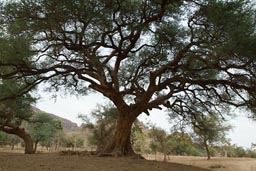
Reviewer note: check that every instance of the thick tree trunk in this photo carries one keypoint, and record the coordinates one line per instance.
(29, 145)
(20, 132)
(121, 141)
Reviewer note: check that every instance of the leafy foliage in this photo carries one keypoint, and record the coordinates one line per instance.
(159, 140)
(139, 139)
(73, 142)
(17, 109)
(14, 111)
(7, 139)
(181, 143)
(103, 121)
(177, 50)
(176, 143)
(43, 128)
(211, 129)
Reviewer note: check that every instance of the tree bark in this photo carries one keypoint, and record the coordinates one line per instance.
(35, 148)
(120, 145)
(20, 132)
(29, 145)
(165, 159)
(207, 150)
(12, 146)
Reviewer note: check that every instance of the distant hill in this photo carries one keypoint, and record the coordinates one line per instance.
(68, 126)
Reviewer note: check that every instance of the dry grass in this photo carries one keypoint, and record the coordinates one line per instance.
(16, 161)
(218, 164)
(57, 162)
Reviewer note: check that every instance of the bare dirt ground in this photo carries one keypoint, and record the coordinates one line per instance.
(217, 164)
(57, 162)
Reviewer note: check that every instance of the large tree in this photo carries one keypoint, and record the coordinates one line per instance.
(141, 54)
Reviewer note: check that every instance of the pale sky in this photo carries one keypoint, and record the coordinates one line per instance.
(242, 134)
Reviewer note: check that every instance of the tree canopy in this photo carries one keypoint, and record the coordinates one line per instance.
(43, 128)
(14, 111)
(140, 54)
(101, 122)
(209, 130)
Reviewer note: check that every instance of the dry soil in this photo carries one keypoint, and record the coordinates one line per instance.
(217, 164)
(57, 162)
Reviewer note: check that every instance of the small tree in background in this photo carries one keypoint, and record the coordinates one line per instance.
(73, 141)
(43, 129)
(13, 140)
(139, 139)
(102, 121)
(3, 138)
(209, 130)
(58, 140)
(181, 144)
(160, 141)
(9, 139)
(207, 120)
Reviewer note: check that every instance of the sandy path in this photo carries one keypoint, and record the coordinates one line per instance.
(240, 165)
(227, 164)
